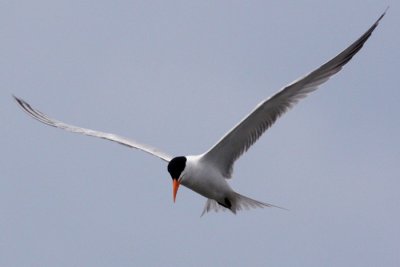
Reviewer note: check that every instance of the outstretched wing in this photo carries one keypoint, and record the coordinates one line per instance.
(246, 133)
(36, 114)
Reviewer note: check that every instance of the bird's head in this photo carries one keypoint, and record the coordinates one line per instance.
(175, 169)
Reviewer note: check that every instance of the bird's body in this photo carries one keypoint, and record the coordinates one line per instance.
(207, 174)
(205, 179)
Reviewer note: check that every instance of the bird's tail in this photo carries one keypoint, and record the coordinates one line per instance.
(238, 202)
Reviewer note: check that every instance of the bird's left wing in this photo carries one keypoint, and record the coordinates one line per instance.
(36, 114)
(223, 154)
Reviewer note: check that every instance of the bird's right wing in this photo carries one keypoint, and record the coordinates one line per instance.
(36, 114)
(237, 141)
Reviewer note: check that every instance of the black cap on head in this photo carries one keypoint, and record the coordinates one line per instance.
(176, 166)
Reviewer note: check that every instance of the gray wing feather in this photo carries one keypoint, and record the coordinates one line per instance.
(237, 141)
(36, 114)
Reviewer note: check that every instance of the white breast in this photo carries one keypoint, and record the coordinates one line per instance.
(205, 179)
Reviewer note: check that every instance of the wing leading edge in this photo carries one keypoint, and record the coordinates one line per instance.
(238, 140)
(43, 118)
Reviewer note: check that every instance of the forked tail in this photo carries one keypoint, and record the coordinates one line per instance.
(238, 202)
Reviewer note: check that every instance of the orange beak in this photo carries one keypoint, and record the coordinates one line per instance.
(175, 186)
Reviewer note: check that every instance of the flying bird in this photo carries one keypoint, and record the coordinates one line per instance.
(207, 173)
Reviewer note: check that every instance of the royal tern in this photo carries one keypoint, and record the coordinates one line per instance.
(207, 173)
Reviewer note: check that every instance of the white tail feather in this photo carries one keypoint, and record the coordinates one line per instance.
(238, 201)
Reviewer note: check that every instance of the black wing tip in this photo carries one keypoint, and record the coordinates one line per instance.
(22, 104)
(353, 49)
(381, 16)
(33, 112)
(18, 100)
(384, 12)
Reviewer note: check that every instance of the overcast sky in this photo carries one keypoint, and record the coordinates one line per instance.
(178, 75)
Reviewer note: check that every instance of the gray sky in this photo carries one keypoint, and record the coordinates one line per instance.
(178, 75)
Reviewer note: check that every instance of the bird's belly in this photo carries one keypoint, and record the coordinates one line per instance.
(210, 187)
